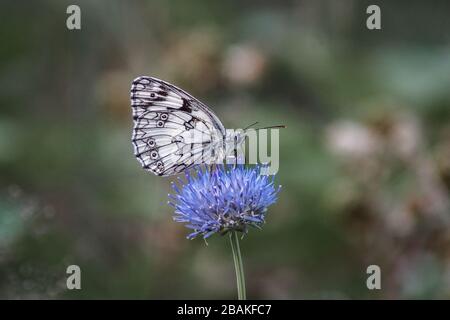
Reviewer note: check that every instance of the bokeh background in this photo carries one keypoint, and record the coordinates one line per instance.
(365, 160)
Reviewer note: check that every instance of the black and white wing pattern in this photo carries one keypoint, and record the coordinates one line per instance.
(172, 130)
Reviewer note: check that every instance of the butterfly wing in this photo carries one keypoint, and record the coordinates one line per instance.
(172, 130)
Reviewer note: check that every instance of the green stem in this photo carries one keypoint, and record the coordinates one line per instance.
(239, 267)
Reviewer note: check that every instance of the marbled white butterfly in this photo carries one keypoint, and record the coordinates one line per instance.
(173, 130)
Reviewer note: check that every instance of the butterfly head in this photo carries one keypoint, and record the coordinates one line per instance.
(234, 137)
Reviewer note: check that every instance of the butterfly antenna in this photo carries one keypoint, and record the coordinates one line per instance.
(251, 125)
(273, 127)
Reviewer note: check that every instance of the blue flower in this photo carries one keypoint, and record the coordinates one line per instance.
(222, 199)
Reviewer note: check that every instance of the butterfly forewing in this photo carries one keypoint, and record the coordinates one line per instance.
(172, 130)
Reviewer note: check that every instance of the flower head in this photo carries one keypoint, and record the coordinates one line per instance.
(222, 199)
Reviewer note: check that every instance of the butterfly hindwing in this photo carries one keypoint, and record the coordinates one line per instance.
(172, 130)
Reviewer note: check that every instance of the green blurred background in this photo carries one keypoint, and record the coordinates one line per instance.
(364, 162)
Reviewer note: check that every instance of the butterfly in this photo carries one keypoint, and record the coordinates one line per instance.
(173, 131)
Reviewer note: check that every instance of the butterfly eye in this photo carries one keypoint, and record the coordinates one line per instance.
(151, 143)
(160, 124)
(159, 164)
(154, 155)
(164, 116)
(152, 95)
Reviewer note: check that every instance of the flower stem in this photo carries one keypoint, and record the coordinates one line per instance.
(239, 267)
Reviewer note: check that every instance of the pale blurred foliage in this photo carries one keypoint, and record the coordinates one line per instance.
(412, 222)
(243, 65)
